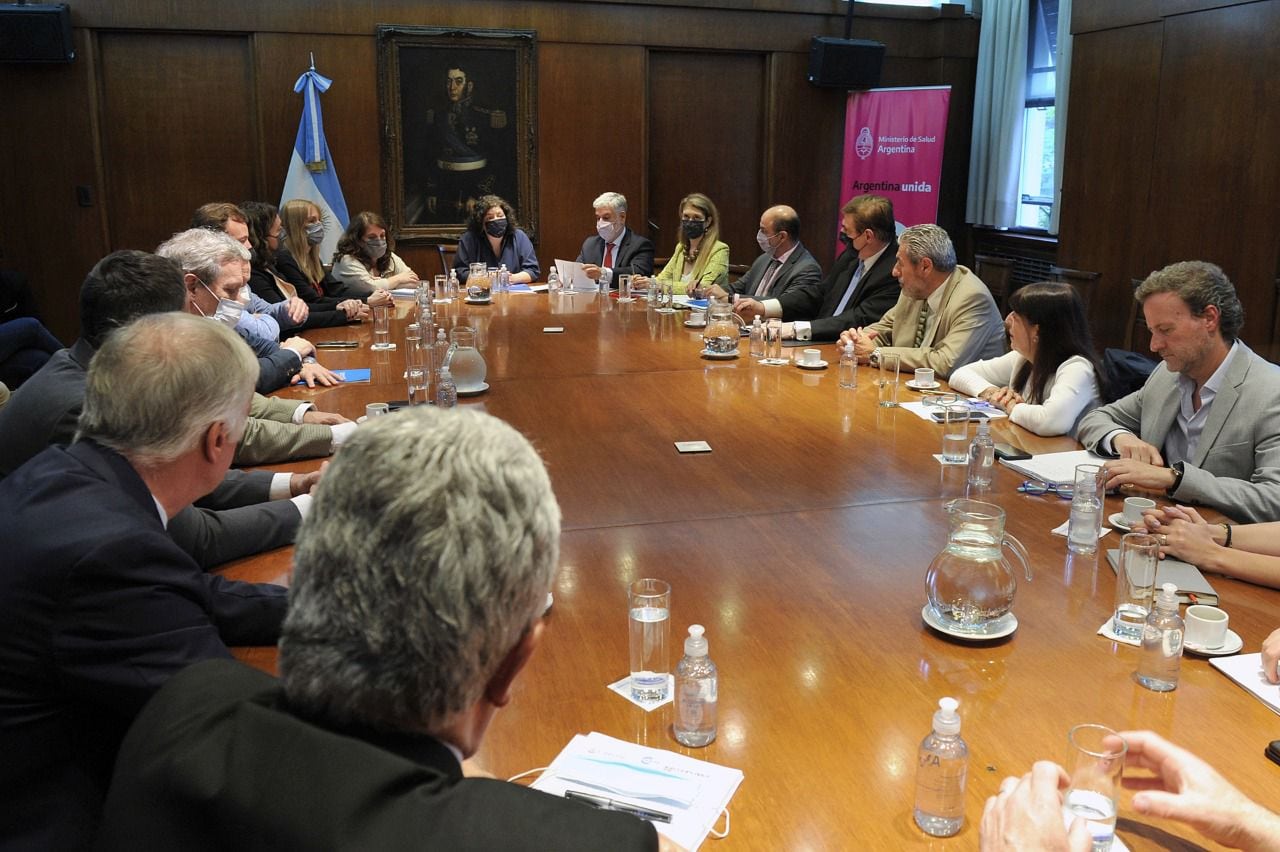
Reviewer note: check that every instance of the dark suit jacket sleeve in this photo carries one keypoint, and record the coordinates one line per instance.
(867, 310)
(591, 251)
(747, 283)
(216, 537)
(277, 370)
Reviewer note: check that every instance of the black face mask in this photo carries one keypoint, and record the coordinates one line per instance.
(496, 227)
(693, 228)
(846, 239)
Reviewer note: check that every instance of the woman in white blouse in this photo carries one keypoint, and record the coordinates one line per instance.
(1050, 378)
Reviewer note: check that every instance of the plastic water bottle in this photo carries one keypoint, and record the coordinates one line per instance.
(446, 391)
(454, 287)
(553, 281)
(941, 766)
(1161, 643)
(757, 338)
(848, 367)
(1084, 524)
(982, 459)
(504, 279)
(696, 692)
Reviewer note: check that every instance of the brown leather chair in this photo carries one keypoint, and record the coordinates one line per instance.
(997, 274)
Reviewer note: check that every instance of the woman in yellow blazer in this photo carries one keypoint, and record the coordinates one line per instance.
(700, 259)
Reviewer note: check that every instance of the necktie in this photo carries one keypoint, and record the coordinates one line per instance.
(608, 255)
(848, 294)
(924, 320)
(766, 280)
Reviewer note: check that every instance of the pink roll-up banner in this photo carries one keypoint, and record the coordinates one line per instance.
(893, 147)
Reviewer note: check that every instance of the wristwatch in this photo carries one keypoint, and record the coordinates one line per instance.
(1178, 470)
(874, 358)
(310, 359)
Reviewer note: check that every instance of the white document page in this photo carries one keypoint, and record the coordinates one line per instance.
(574, 277)
(1246, 670)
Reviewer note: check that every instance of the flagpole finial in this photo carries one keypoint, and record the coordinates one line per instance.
(313, 61)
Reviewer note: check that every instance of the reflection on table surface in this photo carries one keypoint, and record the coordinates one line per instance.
(801, 543)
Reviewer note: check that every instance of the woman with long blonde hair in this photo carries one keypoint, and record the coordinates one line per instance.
(700, 259)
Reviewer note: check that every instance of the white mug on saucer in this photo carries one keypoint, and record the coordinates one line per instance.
(1133, 509)
(1206, 626)
(924, 377)
(811, 357)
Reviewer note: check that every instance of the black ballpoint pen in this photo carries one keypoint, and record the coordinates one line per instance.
(606, 804)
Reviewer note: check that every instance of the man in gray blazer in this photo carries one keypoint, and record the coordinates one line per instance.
(1205, 428)
(944, 318)
(783, 264)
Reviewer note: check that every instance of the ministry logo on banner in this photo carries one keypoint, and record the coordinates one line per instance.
(893, 141)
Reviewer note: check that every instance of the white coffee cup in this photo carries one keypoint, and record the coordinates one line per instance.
(811, 357)
(1206, 626)
(924, 377)
(1133, 509)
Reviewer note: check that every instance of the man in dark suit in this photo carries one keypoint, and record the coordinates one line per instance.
(236, 519)
(100, 606)
(784, 262)
(412, 612)
(615, 249)
(857, 291)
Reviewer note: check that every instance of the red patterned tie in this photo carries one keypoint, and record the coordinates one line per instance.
(608, 255)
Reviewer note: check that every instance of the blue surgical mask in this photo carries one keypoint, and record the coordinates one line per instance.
(315, 233)
(375, 248)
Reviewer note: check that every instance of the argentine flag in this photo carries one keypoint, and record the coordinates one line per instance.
(311, 173)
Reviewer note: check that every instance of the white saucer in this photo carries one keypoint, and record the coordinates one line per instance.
(914, 385)
(1232, 644)
(998, 629)
(692, 324)
(484, 386)
(1117, 520)
(719, 356)
(479, 301)
(362, 418)
(821, 365)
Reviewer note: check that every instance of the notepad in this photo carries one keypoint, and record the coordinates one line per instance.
(1246, 670)
(348, 376)
(1053, 468)
(1184, 575)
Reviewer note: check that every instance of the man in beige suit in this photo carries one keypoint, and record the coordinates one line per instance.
(945, 317)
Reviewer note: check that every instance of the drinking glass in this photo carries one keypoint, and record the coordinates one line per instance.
(1086, 509)
(665, 297)
(412, 345)
(955, 433)
(1135, 583)
(442, 294)
(889, 364)
(624, 288)
(773, 341)
(1095, 762)
(418, 389)
(649, 623)
(382, 328)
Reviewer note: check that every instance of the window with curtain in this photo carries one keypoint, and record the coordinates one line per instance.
(1036, 180)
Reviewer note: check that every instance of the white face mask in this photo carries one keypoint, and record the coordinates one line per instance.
(243, 296)
(608, 231)
(764, 241)
(228, 312)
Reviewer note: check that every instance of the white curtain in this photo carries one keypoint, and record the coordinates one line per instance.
(999, 98)
(1062, 86)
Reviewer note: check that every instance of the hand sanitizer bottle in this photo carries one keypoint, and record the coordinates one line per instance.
(941, 766)
(553, 281)
(1161, 643)
(446, 392)
(504, 279)
(696, 692)
(848, 367)
(757, 339)
(982, 459)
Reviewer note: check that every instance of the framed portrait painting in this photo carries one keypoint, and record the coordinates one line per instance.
(458, 122)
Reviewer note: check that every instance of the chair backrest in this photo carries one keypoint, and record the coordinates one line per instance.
(1136, 334)
(446, 254)
(1085, 282)
(997, 274)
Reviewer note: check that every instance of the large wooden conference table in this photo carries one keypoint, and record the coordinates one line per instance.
(801, 543)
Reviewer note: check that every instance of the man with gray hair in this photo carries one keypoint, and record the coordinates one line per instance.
(100, 606)
(215, 268)
(615, 249)
(414, 606)
(943, 319)
(1205, 428)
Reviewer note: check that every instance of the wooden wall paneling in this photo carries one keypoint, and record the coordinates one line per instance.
(1216, 138)
(1115, 86)
(707, 123)
(350, 110)
(591, 140)
(49, 134)
(179, 130)
(808, 145)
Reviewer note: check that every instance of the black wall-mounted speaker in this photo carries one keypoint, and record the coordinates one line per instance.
(845, 63)
(30, 33)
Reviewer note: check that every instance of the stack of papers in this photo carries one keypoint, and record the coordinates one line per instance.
(1184, 575)
(693, 792)
(1246, 670)
(1054, 468)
